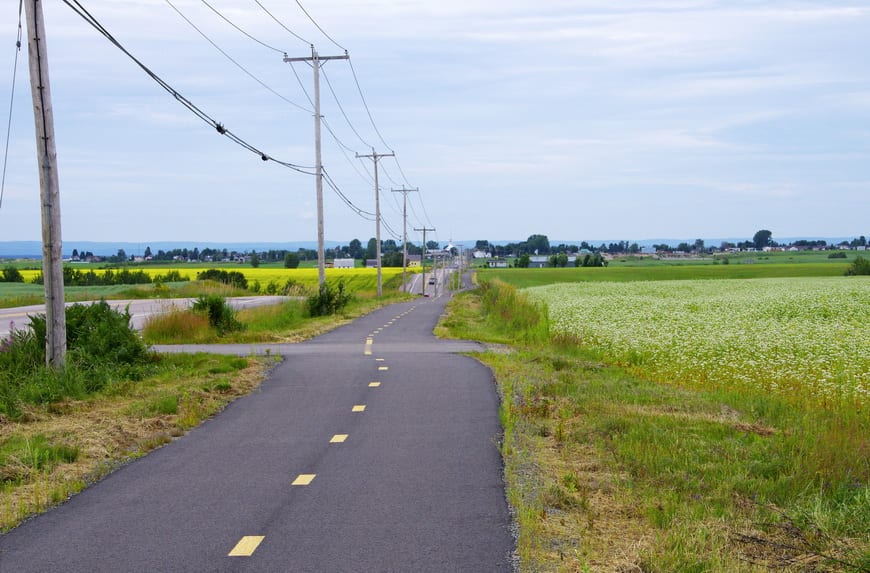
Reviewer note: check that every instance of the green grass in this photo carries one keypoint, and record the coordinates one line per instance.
(609, 471)
(22, 457)
(522, 278)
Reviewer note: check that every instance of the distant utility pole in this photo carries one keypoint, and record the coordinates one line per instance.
(374, 156)
(404, 193)
(315, 60)
(46, 151)
(423, 256)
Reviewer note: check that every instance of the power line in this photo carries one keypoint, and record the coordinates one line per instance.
(76, 6)
(230, 58)
(322, 31)
(280, 23)
(11, 101)
(365, 104)
(347, 119)
(228, 21)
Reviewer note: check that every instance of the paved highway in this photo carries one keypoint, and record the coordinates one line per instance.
(371, 448)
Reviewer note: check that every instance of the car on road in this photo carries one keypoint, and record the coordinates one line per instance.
(431, 280)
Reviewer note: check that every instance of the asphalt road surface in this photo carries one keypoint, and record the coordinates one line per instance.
(371, 448)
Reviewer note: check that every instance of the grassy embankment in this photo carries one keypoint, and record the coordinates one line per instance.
(608, 471)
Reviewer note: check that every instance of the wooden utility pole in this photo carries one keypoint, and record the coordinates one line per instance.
(315, 60)
(374, 156)
(423, 256)
(404, 193)
(46, 151)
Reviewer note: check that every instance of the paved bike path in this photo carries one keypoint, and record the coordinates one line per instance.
(390, 438)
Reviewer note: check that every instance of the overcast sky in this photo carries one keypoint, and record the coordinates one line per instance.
(578, 119)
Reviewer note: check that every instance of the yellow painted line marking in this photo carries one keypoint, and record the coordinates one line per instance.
(338, 439)
(369, 341)
(304, 479)
(383, 367)
(367, 352)
(246, 546)
(374, 384)
(358, 408)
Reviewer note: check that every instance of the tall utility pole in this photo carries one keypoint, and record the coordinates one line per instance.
(315, 60)
(374, 156)
(423, 257)
(404, 193)
(46, 151)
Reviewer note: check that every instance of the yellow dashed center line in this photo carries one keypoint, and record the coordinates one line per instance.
(374, 384)
(304, 479)
(246, 546)
(383, 367)
(338, 439)
(358, 408)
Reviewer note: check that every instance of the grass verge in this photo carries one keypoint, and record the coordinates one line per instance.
(57, 449)
(287, 322)
(609, 472)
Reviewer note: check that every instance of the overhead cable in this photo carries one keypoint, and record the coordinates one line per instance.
(11, 102)
(228, 21)
(230, 58)
(322, 31)
(76, 6)
(280, 23)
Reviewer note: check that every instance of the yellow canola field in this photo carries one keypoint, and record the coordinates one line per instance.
(354, 279)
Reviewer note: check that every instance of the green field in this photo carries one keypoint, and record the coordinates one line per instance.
(522, 278)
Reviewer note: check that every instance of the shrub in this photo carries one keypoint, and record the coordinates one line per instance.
(220, 315)
(97, 334)
(328, 300)
(11, 275)
(233, 278)
(860, 266)
(291, 261)
(840, 255)
(101, 348)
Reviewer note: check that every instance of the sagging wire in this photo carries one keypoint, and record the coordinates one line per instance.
(76, 6)
(11, 102)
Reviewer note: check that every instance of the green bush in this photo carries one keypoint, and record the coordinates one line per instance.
(101, 349)
(860, 266)
(328, 300)
(11, 275)
(220, 315)
(96, 334)
(232, 278)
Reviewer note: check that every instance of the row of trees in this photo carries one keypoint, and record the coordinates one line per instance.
(540, 245)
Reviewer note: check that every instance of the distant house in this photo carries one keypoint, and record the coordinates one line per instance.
(343, 263)
(414, 261)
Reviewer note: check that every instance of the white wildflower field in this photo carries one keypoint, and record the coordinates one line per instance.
(805, 337)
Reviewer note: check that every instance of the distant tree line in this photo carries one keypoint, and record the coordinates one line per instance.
(540, 245)
(108, 277)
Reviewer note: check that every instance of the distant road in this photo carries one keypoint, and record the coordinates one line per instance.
(140, 309)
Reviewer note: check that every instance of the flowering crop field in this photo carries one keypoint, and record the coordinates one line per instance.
(805, 337)
(355, 279)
